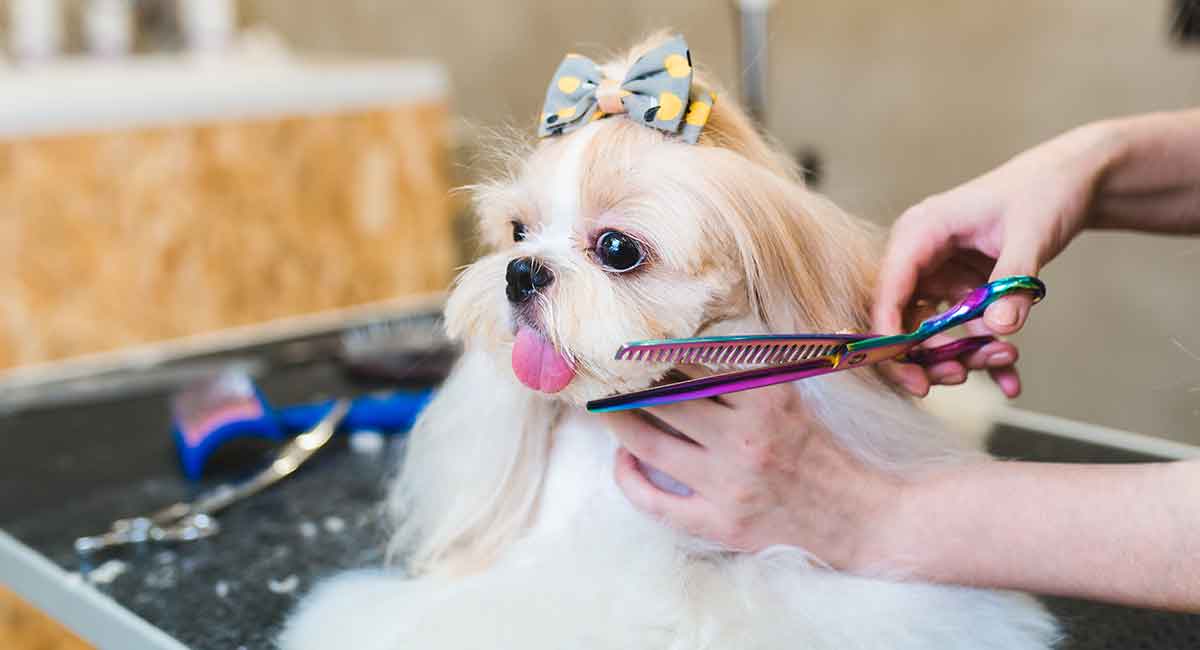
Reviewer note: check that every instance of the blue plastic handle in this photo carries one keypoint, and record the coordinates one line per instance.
(391, 413)
(388, 413)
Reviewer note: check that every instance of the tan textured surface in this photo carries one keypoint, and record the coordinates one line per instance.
(113, 239)
(902, 100)
(24, 628)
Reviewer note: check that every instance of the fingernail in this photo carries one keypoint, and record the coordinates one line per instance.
(1002, 314)
(916, 387)
(1000, 359)
(954, 379)
(941, 377)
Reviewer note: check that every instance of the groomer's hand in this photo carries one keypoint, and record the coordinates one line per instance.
(1010, 221)
(762, 471)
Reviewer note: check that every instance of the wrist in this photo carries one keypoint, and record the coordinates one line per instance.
(1114, 145)
(837, 505)
(921, 528)
(1099, 149)
(1105, 143)
(881, 532)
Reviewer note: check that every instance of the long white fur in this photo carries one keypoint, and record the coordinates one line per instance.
(593, 573)
(514, 533)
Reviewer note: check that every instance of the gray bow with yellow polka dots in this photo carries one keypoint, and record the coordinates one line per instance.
(654, 93)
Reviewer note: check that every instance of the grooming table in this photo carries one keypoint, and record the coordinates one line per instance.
(69, 470)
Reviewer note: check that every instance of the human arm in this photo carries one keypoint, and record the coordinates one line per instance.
(1122, 533)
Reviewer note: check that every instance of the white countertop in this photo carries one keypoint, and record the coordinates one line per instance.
(74, 96)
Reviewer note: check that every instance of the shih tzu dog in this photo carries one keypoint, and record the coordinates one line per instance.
(649, 210)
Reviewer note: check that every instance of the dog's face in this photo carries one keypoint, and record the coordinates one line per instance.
(616, 233)
(594, 247)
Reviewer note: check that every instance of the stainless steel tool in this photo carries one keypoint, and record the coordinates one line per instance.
(189, 520)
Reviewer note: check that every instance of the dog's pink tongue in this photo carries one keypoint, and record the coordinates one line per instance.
(538, 365)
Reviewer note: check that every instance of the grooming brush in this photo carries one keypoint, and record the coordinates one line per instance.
(789, 357)
(212, 412)
(406, 351)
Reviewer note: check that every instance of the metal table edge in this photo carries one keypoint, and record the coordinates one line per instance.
(90, 614)
(1079, 431)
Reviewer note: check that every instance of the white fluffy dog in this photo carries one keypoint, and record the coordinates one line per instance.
(511, 529)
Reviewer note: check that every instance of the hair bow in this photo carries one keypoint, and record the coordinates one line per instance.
(656, 93)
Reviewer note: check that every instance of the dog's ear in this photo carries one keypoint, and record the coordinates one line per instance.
(809, 266)
(500, 158)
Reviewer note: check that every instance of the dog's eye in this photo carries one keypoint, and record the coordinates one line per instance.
(618, 251)
(518, 231)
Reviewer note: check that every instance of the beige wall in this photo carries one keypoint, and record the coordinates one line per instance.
(902, 99)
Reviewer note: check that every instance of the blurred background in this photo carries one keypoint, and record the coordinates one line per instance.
(890, 102)
(179, 176)
(173, 168)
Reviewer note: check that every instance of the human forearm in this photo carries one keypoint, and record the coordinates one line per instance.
(1121, 533)
(1151, 173)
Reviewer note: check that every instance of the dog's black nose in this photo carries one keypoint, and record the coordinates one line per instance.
(525, 276)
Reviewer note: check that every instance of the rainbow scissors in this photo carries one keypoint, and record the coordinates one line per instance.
(789, 357)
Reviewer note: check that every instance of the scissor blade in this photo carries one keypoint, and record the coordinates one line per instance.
(769, 349)
(729, 382)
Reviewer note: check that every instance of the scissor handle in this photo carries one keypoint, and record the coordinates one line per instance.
(978, 300)
(955, 350)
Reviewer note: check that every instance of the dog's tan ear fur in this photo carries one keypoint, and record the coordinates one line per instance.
(809, 266)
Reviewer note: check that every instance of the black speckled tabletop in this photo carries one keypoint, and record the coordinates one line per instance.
(70, 470)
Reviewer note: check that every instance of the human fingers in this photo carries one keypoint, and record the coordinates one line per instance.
(704, 421)
(684, 512)
(760, 399)
(679, 458)
(693, 514)
(1008, 379)
(947, 373)
(911, 378)
(1019, 257)
(918, 241)
(997, 354)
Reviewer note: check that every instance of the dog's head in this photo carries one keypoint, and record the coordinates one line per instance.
(617, 232)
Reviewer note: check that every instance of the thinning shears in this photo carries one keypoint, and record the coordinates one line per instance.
(789, 357)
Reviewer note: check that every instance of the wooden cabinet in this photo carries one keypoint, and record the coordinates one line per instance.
(280, 201)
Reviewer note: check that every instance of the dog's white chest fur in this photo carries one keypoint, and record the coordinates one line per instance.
(579, 477)
(592, 572)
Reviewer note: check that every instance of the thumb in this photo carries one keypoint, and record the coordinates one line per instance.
(1007, 315)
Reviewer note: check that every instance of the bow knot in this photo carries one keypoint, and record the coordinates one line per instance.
(657, 92)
